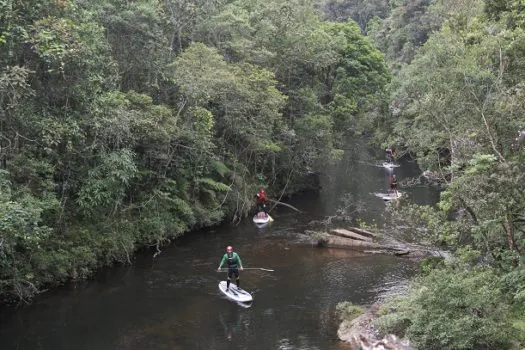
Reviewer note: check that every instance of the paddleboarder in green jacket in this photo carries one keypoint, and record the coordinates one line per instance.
(234, 263)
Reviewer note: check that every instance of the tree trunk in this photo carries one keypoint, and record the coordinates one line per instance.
(510, 232)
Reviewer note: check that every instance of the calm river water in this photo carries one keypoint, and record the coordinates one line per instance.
(173, 302)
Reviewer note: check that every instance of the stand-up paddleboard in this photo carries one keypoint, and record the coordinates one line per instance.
(389, 196)
(234, 293)
(262, 219)
(388, 165)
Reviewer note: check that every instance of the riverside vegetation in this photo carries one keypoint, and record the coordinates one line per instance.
(124, 124)
(457, 103)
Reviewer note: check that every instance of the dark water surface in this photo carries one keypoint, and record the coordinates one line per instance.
(173, 302)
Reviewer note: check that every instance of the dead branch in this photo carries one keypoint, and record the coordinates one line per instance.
(285, 204)
(157, 246)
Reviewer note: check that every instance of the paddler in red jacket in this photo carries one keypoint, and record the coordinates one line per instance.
(261, 202)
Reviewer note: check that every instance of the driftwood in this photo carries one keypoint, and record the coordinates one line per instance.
(362, 232)
(347, 238)
(340, 242)
(349, 234)
(403, 252)
(285, 204)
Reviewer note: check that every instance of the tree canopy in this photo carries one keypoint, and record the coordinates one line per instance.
(126, 124)
(456, 104)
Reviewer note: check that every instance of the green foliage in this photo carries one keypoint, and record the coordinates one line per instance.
(107, 183)
(22, 243)
(454, 309)
(510, 12)
(430, 264)
(457, 105)
(139, 37)
(361, 11)
(125, 124)
(403, 31)
(245, 97)
(495, 202)
(348, 311)
(316, 131)
(216, 186)
(514, 283)
(325, 69)
(357, 78)
(423, 223)
(392, 323)
(220, 168)
(13, 86)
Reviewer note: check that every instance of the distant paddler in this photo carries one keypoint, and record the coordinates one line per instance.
(393, 185)
(389, 155)
(261, 204)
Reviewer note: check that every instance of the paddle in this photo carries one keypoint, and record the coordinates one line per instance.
(251, 268)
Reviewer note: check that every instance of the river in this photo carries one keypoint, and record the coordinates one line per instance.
(173, 302)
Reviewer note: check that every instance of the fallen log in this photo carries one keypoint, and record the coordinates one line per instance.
(341, 232)
(362, 232)
(403, 252)
(340, 242)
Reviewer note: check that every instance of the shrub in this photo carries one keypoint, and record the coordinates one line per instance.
(453, 309)
(394, 323)
(348, 311)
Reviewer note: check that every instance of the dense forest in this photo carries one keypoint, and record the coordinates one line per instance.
(124, 124)
(457, 104)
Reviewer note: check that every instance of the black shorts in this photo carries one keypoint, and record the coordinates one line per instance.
(261, 207)
(233, 271)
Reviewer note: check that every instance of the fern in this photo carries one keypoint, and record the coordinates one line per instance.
(214, 185)
(176, 203)
(182, 206)
(220, 168)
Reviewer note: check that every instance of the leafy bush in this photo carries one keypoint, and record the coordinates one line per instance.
(394, 323)
(348, 311)
(453, 308)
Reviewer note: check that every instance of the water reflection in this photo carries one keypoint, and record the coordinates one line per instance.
(235, 322)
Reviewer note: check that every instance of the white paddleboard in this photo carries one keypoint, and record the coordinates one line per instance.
(390, 165)
(262, 219)
(389, 196)
(234, 293)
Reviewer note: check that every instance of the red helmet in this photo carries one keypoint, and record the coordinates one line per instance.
(229, 248)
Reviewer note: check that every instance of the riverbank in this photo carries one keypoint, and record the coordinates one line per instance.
(361, 333)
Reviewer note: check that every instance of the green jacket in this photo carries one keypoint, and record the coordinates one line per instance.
(233, 260)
